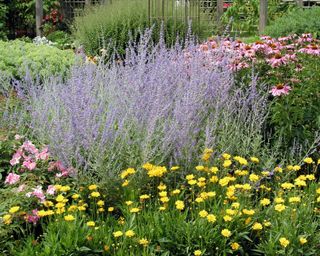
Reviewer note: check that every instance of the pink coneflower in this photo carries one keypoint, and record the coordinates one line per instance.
(305, 38)
(284, 39)
(12, 178)
(311, 49)
(280, 89)
(260, 46)
(277, 60)
(204, 47)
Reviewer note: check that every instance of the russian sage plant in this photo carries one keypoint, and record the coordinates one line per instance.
(158, 105)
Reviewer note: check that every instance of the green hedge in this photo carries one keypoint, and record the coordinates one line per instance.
(40, 60)
(296, 22)
(112, 23)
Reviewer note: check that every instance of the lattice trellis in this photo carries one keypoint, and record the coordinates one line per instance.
(72, 8)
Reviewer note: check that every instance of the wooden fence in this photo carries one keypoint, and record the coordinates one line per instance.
(161, 8)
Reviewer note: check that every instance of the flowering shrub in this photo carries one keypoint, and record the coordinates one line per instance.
(28, 182)
(161, 105)
(225, 205)
(289, 65)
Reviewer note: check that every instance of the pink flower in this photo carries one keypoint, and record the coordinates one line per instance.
(32, 218)
(277, 60)
(29, 147)
(280, 89)
(311, 49)
(305, 38)
(37, 192)
(29, 165)
(18, 137)
(21, 187)
(62, 174)
(51, 190)
(12, 178)
(16, 158)
(43, 155)
(58, 165)
(283, 39)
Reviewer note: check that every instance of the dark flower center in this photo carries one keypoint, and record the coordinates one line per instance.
(280, 86)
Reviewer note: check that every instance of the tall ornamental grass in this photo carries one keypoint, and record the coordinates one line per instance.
(160, 105)
(113, 24)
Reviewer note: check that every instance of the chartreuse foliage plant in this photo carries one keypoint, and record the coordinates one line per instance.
(227, 204)
(111, 26)
(19, 58)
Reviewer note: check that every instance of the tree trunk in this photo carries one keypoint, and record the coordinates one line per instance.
(219, 10)
(39, 16)
(263, 15)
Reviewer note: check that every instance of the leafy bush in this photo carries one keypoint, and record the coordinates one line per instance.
(296, 22)
(245, 15)
(22, 16)
(157, 107)
(113, 22)
(61, 39)
(296, 118)
(3, 17)
(41, 61)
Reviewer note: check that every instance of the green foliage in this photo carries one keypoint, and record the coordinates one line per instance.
(296, 22)
(41, 60)
(3, 16)
(245, 15)
(293, 121)
(23, 12)
(216, 200)
(7, 148)
(61, 39)
(296, 117)
(109, 25)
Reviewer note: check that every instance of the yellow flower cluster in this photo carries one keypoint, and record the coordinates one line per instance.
(127, 172)
(155, 171)
(236, 185)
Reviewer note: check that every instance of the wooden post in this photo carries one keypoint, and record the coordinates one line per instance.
(263, 15)
(87, 2)
(219, 10)
(149, 13)
(300, 3)
(39, 16)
